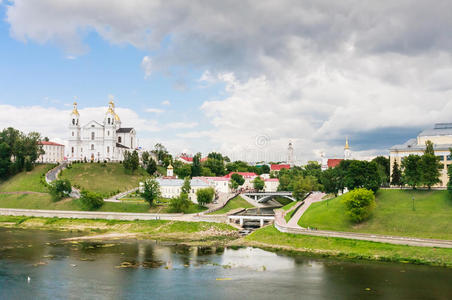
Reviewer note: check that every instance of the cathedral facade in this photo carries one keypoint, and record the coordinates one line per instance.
(99, 141)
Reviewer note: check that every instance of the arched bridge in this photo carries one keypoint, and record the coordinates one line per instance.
(262, 197)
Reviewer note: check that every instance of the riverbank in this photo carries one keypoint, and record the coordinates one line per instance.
(270, 238)
(199, 233)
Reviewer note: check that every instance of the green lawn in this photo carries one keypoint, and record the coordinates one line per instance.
(271, 237)
(282, 200)
(289, 206)
(393, 215)
(26, 181)
(107, 180)
(237, 202)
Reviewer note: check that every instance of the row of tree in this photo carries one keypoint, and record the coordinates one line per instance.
(18, 151)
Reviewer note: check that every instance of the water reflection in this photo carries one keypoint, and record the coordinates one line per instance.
(153, 270)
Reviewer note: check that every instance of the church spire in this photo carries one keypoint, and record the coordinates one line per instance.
(74, 110)
(346, 144)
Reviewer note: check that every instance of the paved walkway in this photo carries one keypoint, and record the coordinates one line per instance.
(292, 227)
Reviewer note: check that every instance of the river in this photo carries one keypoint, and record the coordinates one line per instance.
(144, 269)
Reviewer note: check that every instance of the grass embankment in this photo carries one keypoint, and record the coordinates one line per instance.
(393, 215)
(270, 237)
(105, 179)
(26, 181)
(288, 216)
(237, 202)
(155, 229)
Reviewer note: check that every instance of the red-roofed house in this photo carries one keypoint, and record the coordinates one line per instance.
(279, 167)
(188, 159)
(334, 162)
(271, 185)
(248, 176)
(53, 152)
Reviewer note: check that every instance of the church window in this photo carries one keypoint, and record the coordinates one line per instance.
(72, 133)
(109, 120)
(92, 136)
(73, 121)
(72, 149)
(108, 133)
(119, 140)
(108, 149)
(131, 142)
(92, 125)
(92, 146)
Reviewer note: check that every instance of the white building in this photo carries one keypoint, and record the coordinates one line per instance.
(219, 184)
(105, 140)
(53, 152)
(170, 187)
(271, 185)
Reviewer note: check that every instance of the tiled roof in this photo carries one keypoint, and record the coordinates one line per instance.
(334, 162)
(272, 179)
(279, 167)
(124, 130)
(244, 174)
(190, 159)
(49, 143)
(121, 146)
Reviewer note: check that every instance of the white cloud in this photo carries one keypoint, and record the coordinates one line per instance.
(166, 103)
(181, 125)
(155, 110)
(146, 64)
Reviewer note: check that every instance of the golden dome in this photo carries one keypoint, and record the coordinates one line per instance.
(170, 167)
(346, 144)
(117, 117)
(75, 111)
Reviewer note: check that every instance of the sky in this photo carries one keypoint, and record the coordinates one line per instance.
(240, 77)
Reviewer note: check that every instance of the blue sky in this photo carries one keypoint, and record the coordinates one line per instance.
(240, 78)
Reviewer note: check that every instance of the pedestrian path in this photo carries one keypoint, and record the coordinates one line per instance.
(314, 197)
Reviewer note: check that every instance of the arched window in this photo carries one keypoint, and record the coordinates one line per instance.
(109, 120)
(92, 136)
(72, 133)
(92, 146)
(81, 149)
(108, 149)
(119, 139)
(72, 150)
(73, 121)
(131, 143)
(108, 132)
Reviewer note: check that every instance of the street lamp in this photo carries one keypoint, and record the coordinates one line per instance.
(412, 198)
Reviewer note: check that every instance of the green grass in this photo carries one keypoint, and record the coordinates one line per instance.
(289, 206)
(105, 180)
(270, 237)
(237, 202)
(26, 181)
(289, 216)
(282, 200)
(393, 215)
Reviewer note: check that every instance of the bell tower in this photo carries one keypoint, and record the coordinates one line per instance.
(110, 125)
(347, 152)
(74, 137)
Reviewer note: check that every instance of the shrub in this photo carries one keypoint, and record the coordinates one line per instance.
(60, 188)
(91, 200)
(205, 196)
(360, 203)
(151, 191)
(180, 204)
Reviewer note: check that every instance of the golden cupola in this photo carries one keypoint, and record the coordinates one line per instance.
(75, 110)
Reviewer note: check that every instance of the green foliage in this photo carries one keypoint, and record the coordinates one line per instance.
(206, 172)
(265, 169)
(186, 186)
(91, 200)
(151, 166)
(313, 168)
(151, 191)
(233, 184)
(258, 184)
(215, 165)
(360, 174)
(396, 175)
(60, 189)
(182, 170)
(131, 161)
(180, 204)
(238, 178)
(237, 202)
(5, 160)
(359, 203)
(411, 170)
(330, 179)
(205, 196)
(304, 185)
(430, 170)
(196, 166)
(161, 152)
(429, 148)
(383, 166)
(145, 158)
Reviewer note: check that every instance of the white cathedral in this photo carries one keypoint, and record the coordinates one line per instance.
(96, 141)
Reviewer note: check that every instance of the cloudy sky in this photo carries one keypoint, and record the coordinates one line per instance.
(241, 77)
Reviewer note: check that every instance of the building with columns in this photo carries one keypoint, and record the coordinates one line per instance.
(99, 141)
(441, 137)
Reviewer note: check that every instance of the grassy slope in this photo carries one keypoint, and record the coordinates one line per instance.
(271, 237)
(26, 181)
(104, 180)
(393, 215)
(237, 202)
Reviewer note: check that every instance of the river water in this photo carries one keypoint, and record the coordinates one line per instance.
(130, 269)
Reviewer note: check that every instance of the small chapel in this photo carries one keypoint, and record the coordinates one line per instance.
(99, 141)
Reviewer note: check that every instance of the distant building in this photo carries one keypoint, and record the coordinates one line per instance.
(290, 157)
(279, 167)
(248, 176)
(171, 187)
(328, 163)
(441, 137)
(188, 159)
(271, 185)
(53, 152)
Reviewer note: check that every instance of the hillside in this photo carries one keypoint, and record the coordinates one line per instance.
(26, 181)
(393, 215)
(106, 179)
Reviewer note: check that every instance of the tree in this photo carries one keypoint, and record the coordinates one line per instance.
(383, 167)
(360, 204)
(183, 170)
(145, 158)
(330, 181)
(160, 151)
(238, 178)
(360, 174)
(233, 184)
(91, 200)
(206, 172)
(304, 185)
(396, 175)
(430, 170)
(429, 148)
(313, 168)
(60, 188)
(215, 164)
(131, 161)
(411, 170)
(205, 196)
(5, 160)
(449, 174)
(151, 191)
(180, 204)
(258, 183)
(196, 166)
(265, 169)
(186, 186)
(151, 167)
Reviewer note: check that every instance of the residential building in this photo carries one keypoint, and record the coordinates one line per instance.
(171, 187)
(53, 152)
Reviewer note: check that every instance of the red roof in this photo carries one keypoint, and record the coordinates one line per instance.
(49, 143)
(271, 179)
(244, 174)
(334, 162)
(190, 159)
(279, 167)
